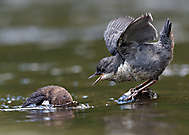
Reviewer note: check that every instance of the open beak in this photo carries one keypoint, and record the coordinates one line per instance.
(97, 80)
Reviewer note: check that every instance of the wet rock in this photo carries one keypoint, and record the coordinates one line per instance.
(146, 94)
(56, 95)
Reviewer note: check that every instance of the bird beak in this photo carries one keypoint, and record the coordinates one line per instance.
(97, 80)
(93, 75)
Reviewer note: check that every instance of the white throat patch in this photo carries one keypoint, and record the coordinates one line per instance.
(124, 72)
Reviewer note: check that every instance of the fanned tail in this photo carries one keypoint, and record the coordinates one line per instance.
(166, 35)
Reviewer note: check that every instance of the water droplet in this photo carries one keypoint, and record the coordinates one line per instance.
(47, 118)
(18, 98)
(76, 69)
(112, 83)
(13, 98)
(56, 71)
(25, 81)
(9, 102)
(46, 102)
(106, 105)
(2, 99)
(75, 83)
(8, 97)
(84, 97)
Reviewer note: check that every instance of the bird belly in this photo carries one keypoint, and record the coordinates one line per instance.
(126, 72)
(123, 73)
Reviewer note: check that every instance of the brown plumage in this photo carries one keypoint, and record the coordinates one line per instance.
(56, 95)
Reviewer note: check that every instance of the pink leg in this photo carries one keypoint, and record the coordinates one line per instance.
(140, 88)
(142, 84)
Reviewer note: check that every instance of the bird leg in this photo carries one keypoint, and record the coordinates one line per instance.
(145, 85)
(141, 85)
(131, 95)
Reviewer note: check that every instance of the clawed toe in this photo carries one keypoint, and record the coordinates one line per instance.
(126, 97)
(134, 96)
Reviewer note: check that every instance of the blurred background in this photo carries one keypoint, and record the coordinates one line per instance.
(60, 42)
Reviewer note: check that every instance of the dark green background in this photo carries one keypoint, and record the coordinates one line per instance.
(60, 42)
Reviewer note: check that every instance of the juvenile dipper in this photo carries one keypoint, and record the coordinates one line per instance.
(135, 56)
(56, 95)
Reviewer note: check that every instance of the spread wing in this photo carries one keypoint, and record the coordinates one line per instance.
(113, 32)
(124, 30)
(140, 30)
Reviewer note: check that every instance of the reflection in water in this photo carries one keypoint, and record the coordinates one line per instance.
(142, 120)
(57, 118)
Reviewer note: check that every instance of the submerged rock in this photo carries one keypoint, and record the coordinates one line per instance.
(55, 95)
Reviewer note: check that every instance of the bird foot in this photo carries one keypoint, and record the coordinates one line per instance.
(137, 96)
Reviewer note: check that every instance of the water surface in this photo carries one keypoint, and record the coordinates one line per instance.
(60, 42)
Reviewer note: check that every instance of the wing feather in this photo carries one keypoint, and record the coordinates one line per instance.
(113, 31)
(126, 29)
(140, 30)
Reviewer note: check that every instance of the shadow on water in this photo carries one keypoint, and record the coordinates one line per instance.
(60, 42)
(139, 120)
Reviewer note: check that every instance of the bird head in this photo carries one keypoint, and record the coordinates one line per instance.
(105, 69)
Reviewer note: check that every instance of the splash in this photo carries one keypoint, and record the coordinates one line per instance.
(8, 105)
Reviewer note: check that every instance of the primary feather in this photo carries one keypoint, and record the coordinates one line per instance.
(113, 32)
(125, 30)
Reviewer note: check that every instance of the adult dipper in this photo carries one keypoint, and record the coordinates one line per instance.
(136, 56)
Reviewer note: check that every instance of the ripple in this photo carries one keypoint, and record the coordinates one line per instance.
(6, 104)
(177, 70)
(45, 109)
